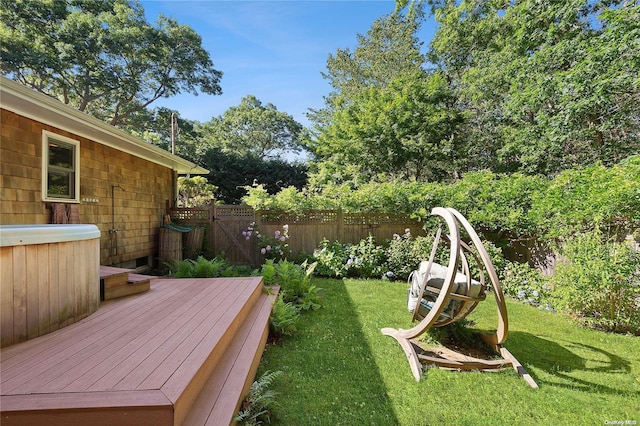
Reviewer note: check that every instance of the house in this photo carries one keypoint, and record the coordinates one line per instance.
(54, 158)
(183, 353)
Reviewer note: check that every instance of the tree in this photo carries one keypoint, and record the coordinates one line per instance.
(232, 172)
(195, 191)
(390, 48)
(102, 57)
(545, 86)
(388, 117)
(404, 130)
(254, 128)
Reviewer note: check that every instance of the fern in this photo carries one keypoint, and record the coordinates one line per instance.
(257, 405)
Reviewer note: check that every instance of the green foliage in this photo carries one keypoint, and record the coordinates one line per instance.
(387, 117)
(256, 407)
(404, 254)
(284, 318)
(580, 199)
(235, 175)
(507, 206)
(366, 259)
(400, 131)
(203, 268)
(195, 191)
(294, 281)
(122, 64)
(527, 284)
(598, 282)
(332, 258)
(543, 86)
(252, 128)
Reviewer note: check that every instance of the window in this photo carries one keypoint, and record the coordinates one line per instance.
(60, 168)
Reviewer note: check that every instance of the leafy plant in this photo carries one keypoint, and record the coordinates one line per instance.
(366, 259)
(284, 317)
(526, 284)
(294, 281)
(599, 283)
(256, 406)
(202, 268)
(332, 258)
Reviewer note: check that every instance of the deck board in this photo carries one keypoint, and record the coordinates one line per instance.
(144, 349)
(67, 347)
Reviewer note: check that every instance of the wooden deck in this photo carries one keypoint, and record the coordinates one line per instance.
(184, 352)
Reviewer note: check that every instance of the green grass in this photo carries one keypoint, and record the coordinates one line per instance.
(340, 370)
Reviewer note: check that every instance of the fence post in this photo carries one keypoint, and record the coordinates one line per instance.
(340, 225)
(212, 225)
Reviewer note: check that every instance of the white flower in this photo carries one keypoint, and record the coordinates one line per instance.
(263, 251)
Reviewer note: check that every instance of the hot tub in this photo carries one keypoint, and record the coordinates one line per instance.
(49, 278)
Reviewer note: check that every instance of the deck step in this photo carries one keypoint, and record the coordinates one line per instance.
(120, 282)
(152, 371)
(220, 399)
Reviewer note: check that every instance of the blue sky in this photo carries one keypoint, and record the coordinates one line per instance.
(274, 50)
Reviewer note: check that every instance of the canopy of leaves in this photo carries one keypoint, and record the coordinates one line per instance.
(102, 57)
(387, 117)
(545, 86)
(402, 130)
(254, 128)
(513, 205)
(231, 173)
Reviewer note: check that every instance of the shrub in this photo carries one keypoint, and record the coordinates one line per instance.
(526, 284)
(599, 283)
(331, 258)
(294, 281)
(271, 247)
(366, 259)
(404, 254)
(284, 317)
(203, 268)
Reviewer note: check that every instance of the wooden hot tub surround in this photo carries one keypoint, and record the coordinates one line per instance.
(49, 278)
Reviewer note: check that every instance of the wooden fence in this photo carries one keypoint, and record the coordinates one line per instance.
(307, 229)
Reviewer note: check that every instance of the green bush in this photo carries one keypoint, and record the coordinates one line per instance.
(526, 284)
(203, 268)
(366, 259)
(599, 283)
(510, 206)
(401, 258)
(332, 258)
(284, 318)
(294, 281)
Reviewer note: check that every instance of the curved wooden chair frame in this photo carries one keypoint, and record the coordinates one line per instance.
(459, 255)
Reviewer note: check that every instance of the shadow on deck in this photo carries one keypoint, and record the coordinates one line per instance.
(183, 353)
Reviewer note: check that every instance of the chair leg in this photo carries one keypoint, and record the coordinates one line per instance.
(409, 351)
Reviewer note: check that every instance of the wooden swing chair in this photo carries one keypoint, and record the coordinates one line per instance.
(444, 295)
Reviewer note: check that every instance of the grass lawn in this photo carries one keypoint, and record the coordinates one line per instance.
(340, 370)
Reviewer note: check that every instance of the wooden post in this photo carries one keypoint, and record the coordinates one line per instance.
(212, 225)
(340, 225)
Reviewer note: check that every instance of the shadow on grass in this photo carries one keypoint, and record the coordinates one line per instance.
(330, 375)
(563, 363)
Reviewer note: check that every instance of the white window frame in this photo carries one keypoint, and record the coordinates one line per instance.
(50, 136)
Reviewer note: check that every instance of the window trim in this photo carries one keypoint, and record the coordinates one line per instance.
(46, 137)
